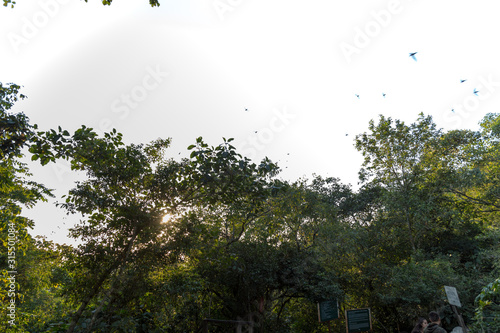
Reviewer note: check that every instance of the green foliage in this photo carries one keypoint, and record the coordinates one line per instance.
(165, 243)
(14, 128)
(487, 315)
(34, 288)
(7, 2)
(40, 279)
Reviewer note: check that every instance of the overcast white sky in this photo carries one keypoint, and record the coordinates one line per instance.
(191, 68)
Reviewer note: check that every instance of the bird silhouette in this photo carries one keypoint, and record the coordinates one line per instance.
(475, 92)
(357, 95)
(453, 110)
(413, 55)
(246, 109)
(462, 81)
(383, 94)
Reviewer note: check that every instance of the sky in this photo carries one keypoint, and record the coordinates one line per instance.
(280, 77)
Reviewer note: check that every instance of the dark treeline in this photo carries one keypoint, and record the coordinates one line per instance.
(166, 243)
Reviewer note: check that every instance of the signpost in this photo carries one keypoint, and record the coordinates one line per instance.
(358, 320)
(328, 310)
(451, 293)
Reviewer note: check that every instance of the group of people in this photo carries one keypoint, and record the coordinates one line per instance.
(433, 326)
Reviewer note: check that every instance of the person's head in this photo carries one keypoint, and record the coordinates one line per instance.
(422, 322)
(434, 317)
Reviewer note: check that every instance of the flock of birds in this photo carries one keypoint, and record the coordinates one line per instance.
(413, 56)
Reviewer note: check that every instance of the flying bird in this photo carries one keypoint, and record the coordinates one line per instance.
(462, 81)
(413, 55)
(453, 110)
(246, 109)
(357, 95)
(475, 92)
(383, 94)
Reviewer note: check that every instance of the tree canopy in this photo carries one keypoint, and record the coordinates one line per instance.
(165, 243)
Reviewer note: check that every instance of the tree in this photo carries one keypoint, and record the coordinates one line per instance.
(34, 261)
(477, 175)
(420, 223)
(487, 315)
(14, 128)
(129, 191)
(271, 264)
(394, 157)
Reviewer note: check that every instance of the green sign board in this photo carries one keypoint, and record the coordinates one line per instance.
(328, 310)
(358, 320)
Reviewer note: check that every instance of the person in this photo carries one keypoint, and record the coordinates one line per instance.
(420, 326)
(434, 326)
